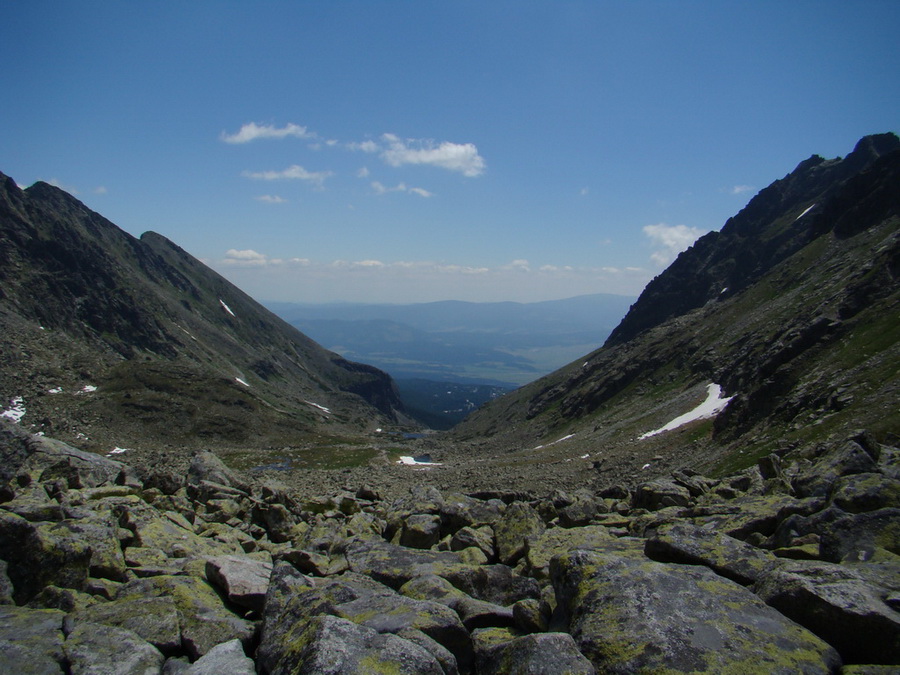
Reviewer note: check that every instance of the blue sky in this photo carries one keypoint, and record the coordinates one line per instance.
(418, 151)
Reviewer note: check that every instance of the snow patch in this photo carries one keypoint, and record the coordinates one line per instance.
(116, 451)
(55, 390)
(421, 460)
(558, 440)
(88, 389)
(711, 407)
(226, 307)
(808, 209)
(16, 410)
(316, 405)
(240, 381)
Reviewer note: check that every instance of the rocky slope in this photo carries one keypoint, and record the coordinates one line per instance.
(165, 346)
(791, 308)
(791, 567)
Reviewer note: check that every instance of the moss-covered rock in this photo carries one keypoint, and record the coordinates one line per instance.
(329, 645)
(518, 523)
(628, 615)
(836, 603)
(691, 545)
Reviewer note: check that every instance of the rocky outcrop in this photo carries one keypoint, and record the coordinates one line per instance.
(170, 574)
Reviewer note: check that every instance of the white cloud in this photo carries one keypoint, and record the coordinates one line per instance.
(740, 189)
(366, 146)
(294, 172)
(246, 257)
(381, 189)
(584, 191)
(363, 173)
(271, 199)
(252, 131)
(461, 157)
(100, 190)
(670, 240)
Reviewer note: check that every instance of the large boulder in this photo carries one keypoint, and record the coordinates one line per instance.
(227, 658)
(329, 645)
(628, 615)
(837, 604)
(511, 531)
(499, 652)
(96, 649)
(394, 565)
(206, 466)
(155, 620)
(204, 619)
(691, 545)
(242, 579)
(660, 493)
(31, 641)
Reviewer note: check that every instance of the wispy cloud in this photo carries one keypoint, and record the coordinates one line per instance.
(377, 280)
(271, 199)
(250, 258)
(670, 240)
(740, 189)
(381, 189)
(252, 131)
(461, 157)
(294, 172)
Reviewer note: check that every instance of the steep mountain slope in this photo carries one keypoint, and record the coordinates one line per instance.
(792, 308)
(176, 353)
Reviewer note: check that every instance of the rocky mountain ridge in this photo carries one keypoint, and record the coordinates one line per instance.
(791, 309)
(165, 346)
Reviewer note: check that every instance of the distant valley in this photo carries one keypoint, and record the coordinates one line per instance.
(450, 357)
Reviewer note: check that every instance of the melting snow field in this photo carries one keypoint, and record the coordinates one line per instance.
(240, 381)
(424, 460)
(711, 407)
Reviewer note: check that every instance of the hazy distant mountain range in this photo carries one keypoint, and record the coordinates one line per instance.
(498, 343)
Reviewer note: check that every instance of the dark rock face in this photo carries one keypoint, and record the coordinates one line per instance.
(791, 308)
(75, 284)
(745, 248)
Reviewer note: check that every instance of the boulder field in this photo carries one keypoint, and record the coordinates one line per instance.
(792, 566)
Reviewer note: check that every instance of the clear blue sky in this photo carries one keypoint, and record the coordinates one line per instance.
(416, 151)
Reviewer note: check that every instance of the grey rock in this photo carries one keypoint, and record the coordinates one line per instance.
(658, 494)
(206, 466)
(96, 649)
(394, 565)
(481, 538)
(620, 612)
(518, 523)
(497, 584)
(329, 645)
(844, 459)
(691, 545)
(244, 580)
(154, 619)
(204, 619)
(227, 658)
(420, 531)
(31, 641)
(472, 612)
(6, 588)
(500, 653)
(838, 605)
(862, 492)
